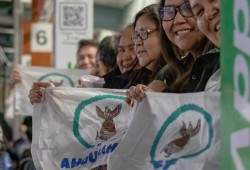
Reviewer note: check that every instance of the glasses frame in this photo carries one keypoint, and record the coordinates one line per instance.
(140, 34)
(176, 9)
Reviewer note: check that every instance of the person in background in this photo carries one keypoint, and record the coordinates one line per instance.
(86, 54)
(126, 57)
(106, 55)
(85, 59)
(126, 61)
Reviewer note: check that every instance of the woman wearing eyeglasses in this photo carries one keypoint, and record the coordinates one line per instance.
(182, 74)
(180, 26)
(147, 45)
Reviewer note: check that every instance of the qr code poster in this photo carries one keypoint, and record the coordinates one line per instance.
(73, 16)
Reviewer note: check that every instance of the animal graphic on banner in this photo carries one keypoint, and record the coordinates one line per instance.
(108, 127)
(179, 143)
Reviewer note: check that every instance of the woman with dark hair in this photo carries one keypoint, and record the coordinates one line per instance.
(147, 43)
(106, 54)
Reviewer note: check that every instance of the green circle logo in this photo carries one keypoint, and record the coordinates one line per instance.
(165, 164)
(81, 106)
(70, 81)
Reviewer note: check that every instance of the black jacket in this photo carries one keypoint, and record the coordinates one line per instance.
(202, 70)
(116, 80)
(111, 80)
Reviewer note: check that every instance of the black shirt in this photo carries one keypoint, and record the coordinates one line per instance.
(202, 70)
(116, 80)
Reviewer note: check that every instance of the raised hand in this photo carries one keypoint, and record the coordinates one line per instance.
(16, 77)
(35, 94)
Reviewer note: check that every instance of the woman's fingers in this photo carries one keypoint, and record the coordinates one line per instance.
(136, 92)
(16, 76)
(35, 94)
(35, 91)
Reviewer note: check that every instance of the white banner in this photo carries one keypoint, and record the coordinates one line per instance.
(76, 128)
(171, 131)
(59, 77)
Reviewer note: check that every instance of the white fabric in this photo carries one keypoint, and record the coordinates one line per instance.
(67, 127)
(214, 82)
(60, 77)
(9, 102)
(171, 131)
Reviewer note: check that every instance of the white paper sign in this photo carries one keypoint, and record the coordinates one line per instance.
(73, 22)
(41, 37)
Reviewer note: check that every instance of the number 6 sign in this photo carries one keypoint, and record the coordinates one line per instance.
(41, 37)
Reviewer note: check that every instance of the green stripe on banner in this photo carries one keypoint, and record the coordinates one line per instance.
(235, 101)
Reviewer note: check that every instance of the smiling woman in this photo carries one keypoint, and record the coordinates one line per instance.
(179, 24)
(180, 27)
(208, 20)
(126, 57)
(147, 40)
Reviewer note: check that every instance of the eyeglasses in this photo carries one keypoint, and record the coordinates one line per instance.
(168, 12)
(143, 34)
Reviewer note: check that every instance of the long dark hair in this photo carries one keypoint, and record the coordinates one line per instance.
(108, 50)
(174, 57)
(152, 12)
